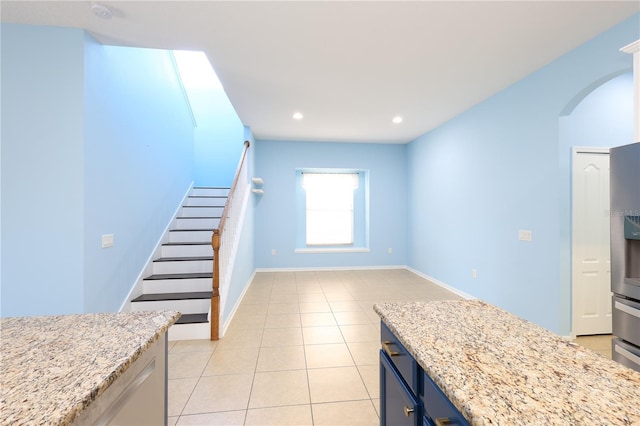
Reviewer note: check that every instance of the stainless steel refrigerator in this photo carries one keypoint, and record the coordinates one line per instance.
(625, 254)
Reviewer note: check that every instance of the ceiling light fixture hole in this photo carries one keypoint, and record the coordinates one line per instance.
(101, 11)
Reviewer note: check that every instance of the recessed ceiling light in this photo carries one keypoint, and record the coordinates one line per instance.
(101, 11)
(397, 119)
(298, 116)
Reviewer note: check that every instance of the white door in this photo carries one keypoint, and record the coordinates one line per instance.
(591, 276)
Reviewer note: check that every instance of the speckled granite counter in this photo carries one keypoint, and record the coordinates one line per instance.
(498, 369)
(52, 368)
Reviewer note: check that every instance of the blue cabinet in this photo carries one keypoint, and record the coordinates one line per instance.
(401, 359)
(398, 405)
(408, 396)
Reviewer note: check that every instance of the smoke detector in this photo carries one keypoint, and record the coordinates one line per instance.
(101, 11)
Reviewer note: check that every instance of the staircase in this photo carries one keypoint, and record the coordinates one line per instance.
(182, 275)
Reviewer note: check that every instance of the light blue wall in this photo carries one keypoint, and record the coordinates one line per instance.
(276, 163)
(604, 117)
(95, 140)
(504, 166)
(219, 137)
(139, 147)
(42, 170)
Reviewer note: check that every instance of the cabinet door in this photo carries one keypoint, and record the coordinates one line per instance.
(398, 405)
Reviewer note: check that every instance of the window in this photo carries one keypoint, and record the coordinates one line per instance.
(332, 210)
(329, 208)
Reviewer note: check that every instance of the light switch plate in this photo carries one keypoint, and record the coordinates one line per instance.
(107, 240)
(525, 235)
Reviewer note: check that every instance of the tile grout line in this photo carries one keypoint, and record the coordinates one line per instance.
(304, 350)
(255, 367)
(330, 286)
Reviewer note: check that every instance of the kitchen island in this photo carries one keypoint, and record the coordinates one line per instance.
(498, 369)
(84, 369)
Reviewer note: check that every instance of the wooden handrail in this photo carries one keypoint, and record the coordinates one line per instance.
(215, 244)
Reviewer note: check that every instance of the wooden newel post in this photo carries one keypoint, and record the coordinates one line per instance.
(215, 296)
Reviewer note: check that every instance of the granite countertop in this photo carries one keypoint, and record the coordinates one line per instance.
(498, 369)
(53, 367)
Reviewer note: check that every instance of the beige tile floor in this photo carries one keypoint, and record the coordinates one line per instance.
(598, 343)
(302, 349)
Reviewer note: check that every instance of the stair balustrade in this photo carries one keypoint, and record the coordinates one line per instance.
(224, 238)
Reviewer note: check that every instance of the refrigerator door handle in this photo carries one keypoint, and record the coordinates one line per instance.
(627, 309)
(628, 355)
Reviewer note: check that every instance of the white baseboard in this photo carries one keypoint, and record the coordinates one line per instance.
(443, 285)
(365, 268)
(330, 268)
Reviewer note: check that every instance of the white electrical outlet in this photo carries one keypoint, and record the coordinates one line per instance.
(525, 235)
(389, 250)
(107, 240)
(273, 252)
(474, 273)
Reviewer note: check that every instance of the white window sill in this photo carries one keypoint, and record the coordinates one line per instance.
(333, 250)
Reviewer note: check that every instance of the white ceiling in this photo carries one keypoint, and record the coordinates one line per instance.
(348, 66)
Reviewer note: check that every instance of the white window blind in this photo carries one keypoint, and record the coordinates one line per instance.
(329, 207)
